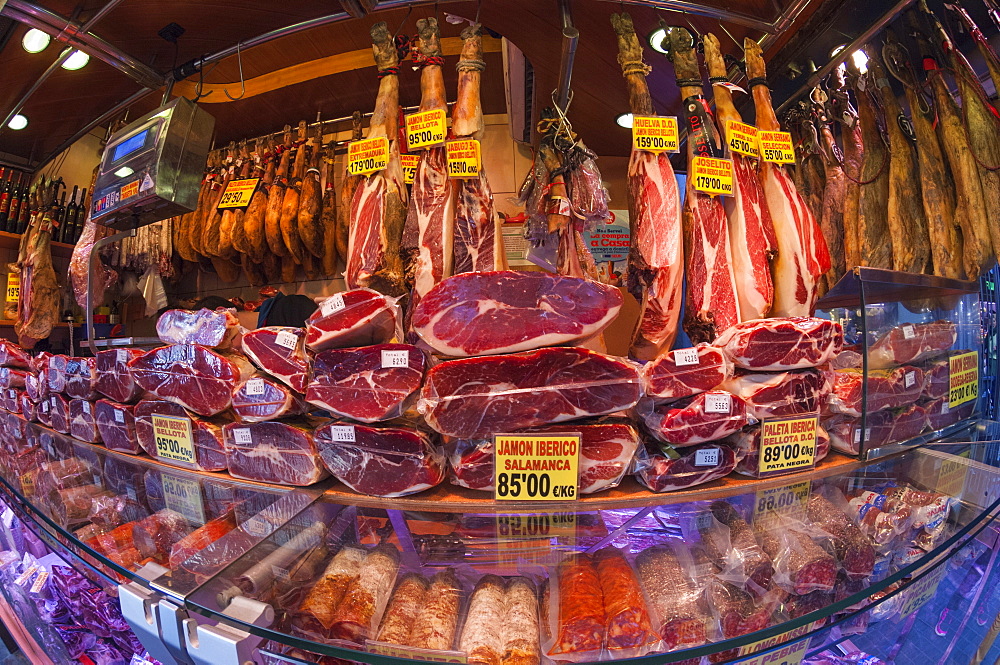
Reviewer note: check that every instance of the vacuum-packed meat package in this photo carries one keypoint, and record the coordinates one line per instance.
(579, 627)
(941, 414)
(28, 407)
(626, 618)
(10, 400)
(12, 355)
(200, 538)
(318, 608)
(196, 377)
(283, 453)
(911, 342)
(82, 421)
(683, 372)
(800, 565)
(782, 343)
(281, 352)
(59, 413)
(12, 378)
(747, 445)
(401, 612)
(852, 548)
(381, 460)
(367, 384)
(887, 389)
(707, 416)
(662, 469)
(212, 328)
(738, 547)
(81, 378)
(357, 617)
(359, 317)
(55, 372)
(674, 597)
(114, 379)
(258, 399)
(882, 428)
(116, 424)
(481, 637)
(36, 387)
(155, 535)
(44, 412)
(206, 436)
(777, 394)
(937, 379)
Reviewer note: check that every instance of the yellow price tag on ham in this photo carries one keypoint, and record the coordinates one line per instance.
(367, 156)
(712, 176)
(409, 163)
(173, 438)
(536, 467)
(655, 133)
(238, 193)
(963, 378)
(463, 158)
(743, 139)
(787, 445)
(426, 130)
(776, 147)
(13, 286)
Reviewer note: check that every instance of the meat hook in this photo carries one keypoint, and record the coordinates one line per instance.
(243, 85)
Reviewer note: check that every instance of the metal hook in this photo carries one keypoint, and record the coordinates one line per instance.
(198, 87)
(243, 85)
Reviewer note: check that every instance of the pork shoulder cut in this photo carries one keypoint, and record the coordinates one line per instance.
(687, 467)
(114, 379)
(59, 413)
(794, 342)
(196, 377)
(476, 397)
(386, 460)
(707, 416)
(684, 372)
(359, 317)
(280, 352)
(12, 355)
(367, 384)
(775, 394)
(28, 407)
(81, 378)
(258, 399)
(887, 389)
(506, 311)
(283, 453)
(206, 435)
(212, 328)
(82, 423)
(910, 342)
(12, 378)
(116, 423)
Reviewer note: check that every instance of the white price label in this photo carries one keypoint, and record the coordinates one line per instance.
(685, 357)
(287, 339)
(395, 359)
(242, 436)
(257, 526)
(334, 303)
(25, 575)
(11, 394)
(707, 457)
(119, 416)
(857, 434)
(86, 407)
(255, 387)
(45, 407)
(718, 403)
(909, 332)
(909, 379)
(945, 407)
(121, 356)
(343, 433)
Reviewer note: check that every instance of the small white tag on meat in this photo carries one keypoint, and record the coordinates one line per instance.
(706, 457)
(909, 332)
(255, 387)
(287, 339)
(334, 303)
(122, 355)
(685, 357)
(242, 436)
(910, 379)
(86, 407)
(395, 359)
(718, 403)
(343, 433)
(119, 416)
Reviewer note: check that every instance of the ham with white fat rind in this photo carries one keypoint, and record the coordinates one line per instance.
(775, 394)
(281, 352)
(707, 416)
(359, 317)
(684, 372)
(770, 345)
(283, 453)
(192, 376)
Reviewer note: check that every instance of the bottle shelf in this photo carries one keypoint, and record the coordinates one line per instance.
(12, 241)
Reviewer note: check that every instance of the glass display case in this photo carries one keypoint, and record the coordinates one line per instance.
(216, 570)
(912, 360)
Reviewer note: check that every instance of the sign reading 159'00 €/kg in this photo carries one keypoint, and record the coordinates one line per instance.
(536, 467)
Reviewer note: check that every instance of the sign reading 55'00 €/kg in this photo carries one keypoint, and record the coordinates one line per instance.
(536, 467)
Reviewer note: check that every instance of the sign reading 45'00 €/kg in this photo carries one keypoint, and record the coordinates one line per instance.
(537, 467)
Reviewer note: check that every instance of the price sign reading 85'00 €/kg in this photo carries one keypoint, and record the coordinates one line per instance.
(536, 467)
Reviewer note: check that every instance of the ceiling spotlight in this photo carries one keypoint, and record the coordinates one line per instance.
(624, 120)
(35, 40)
(656, 39)
(860, 58)
(77, 60)
(18, 122)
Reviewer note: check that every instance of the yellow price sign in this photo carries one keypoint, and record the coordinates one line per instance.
(772, 657)
(238, 193)
(464, 159)
(963, 378)
(791, 654)
(13, 287)
(787, 501)
(409, 163)
(655, 133)
(28, 482)
(922, 590)
(712, 176)
(743, 139)
(536, 467)
(787, 445)
(776, 147)
(536, 525)
(426, 129)
(183, 496)
(415, 653)
(173, 438)
(367, 156)
(128, 190)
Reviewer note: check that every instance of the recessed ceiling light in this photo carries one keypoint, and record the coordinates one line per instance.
(624, 120)
(656, 39)
(77, 60)
(18, 122)
(124, 172)
(35, 41)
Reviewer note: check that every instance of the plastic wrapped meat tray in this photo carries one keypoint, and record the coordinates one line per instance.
(12, 355)
(886, 390)
(359, 317)
(116, 424)
(59, 413)
(206, 435)
(281, 352)
(772, 395)
(28, 407)
(882, 428)
(81, 378)
(284, 453)
(684, 372)
(674, 597)
(747, 445)
(940, 414)
(707, 416)
(114, 380)
(911, 342)
(390, 460)
(852, 548)
(664, 469)
(82, 421)
(12, 378)
(258, 399)
(212, 328)
(476, 397)
(55, 373)
(195, 377)
(773, 345)
(800, 565)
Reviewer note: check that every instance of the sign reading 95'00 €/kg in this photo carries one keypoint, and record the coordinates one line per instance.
(536, 467)
(788, 444)
(426, 129)
(173, 438)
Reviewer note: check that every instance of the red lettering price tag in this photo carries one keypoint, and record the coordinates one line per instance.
(743, 139)
(367, 156)
(536, 467)
(712, 176)
(655, 133)
(776, 147)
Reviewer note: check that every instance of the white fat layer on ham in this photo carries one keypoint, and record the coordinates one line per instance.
(475, 228)
(794, 284)
(750, 241)
(434, 198)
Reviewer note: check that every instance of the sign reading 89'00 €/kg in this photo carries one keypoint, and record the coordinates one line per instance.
(536, 467)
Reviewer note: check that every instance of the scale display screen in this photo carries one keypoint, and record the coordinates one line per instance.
(130, 145)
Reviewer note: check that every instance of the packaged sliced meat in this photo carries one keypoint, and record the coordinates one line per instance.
(852, 548)
(606, 452)
(674, 598)
(476, 397)
(196, 377)
(12, 378)
(357, 617)
(580, 626)
(887, 389)
(37, 388)
(520, 623)
(507, 311)
(82, 421)
(10, 400)
(483, 637)
(707, 416)
(683, 372)
(626, 618)
(882, 428)
(259, 398)
(281, 352)
(738, 547)
(114, 379)
(326, 593)
(212, 328)
(44, 412)
(662, 468)
(747, 446)
(941, 415)
(911, 342)
(435, 624)
(800, 565)
(367, 384)
(359, 317)
(81, 378)
(12, 355)
(55, 372)
(116, 424)
(155, 536)
(206, 435)
(736, 610)
(278, 452)
(776, 394)
(200, 538)
(59, 413)
(390, 460)
(405, 604)
(71, 506)
(782, 343)
(937, 379)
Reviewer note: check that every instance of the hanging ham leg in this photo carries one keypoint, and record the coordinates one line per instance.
(850, 130)
(290, 204)
(751, 232)
(378, 207)
(329, 220)
(276, 198)
(255, 223)
(232, 216)
(656, 262)
(310, 224)
(802, 252)
(433, 191)
(475, 219)
(238, 232)
(38, 303)
(832, 213)
(212, 231)
(348, 185)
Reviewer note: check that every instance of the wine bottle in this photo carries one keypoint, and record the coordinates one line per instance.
(16, 195)
(81, 215)
(72, 212)
(5, 196)
(25, 215)
(59, 216)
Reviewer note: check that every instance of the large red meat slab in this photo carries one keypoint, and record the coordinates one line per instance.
(114, 380)
(206, 435)
(359, 317)
(274, 452)
(684, 372)
(258, 399)
(116, 423)
(82, 423)
(911, 342)
(477, 397)
(280, 352)
(771, 345)
(776, 394)
(212, 328)
(12, 355)
(687, 467)
(487, 313)
(81, 378)
(368, 384)
(707, 416)
(887, 389)
(196, 377)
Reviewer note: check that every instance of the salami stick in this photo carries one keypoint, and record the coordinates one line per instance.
(366, 594)
(481, 639)
(434, 627)
(520, 625)
(581, 606)
(406, 601)
(625, 617)
(329, 590)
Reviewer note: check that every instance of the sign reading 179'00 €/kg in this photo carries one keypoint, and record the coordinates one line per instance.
(536, 467)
